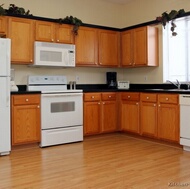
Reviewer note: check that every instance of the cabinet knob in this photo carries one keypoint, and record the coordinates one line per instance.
(99, 103)
(38, 106)
(147, 97)
(31, 60)
(109, 96)
(92, 97)
(27, 100)
(167, 99)
(137, 103)
(52, 39)
(100, 63)
(129, 97)
(58, 40)
(154, 105)
(103, 103)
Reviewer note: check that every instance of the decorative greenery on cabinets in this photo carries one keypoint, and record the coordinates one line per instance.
(166, 17)
(14, 10)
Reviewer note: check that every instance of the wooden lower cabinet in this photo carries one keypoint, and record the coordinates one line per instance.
(130, 107)
(25, 116)
(148, 114)
(168, 117)
(100, 113)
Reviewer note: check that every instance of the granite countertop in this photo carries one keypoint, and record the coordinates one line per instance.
(153, 88)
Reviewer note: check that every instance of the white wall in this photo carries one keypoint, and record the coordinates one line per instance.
(100, 12)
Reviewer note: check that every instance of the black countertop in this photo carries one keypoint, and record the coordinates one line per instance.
(152, 88)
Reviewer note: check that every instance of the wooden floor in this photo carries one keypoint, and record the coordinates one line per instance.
(113, 161)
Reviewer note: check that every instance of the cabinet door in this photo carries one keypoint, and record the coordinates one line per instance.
(127, 48)
(3, 25)
(92, 117)
(168, 122)
(130, 116)
(64, 33)
(25, 124)
(109, 116)
(86, 47)
(140, 46)
(21, 33)
(109, 48)
(148, 119)
(45, 31)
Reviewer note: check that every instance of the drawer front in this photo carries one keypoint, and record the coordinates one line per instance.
(168, 98)
(148, 97)
(92, 97)
(108, 96)
(130, 96)
(25, 99)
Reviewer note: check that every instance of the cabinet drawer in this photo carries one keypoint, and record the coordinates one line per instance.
(130, 96)
(168, 98)
(25, 99)
(92, 97)
(108, 96)
(148, 97)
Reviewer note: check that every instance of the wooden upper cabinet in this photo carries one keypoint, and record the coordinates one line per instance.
(140, 47)
(109, 48)
(64, 34)
(86, 47)
(45, 31)
(53, 32)
(21, 33)
(3, 25)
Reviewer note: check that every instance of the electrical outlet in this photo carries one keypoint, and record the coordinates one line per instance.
(77, 78)
(145, 78)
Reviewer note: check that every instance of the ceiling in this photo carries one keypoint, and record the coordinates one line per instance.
(118, 1)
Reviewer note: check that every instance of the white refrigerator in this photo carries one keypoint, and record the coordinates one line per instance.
(5, 131)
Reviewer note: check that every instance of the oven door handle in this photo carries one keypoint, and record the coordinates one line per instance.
(62, 94)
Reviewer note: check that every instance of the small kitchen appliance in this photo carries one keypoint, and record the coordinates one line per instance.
(124, 85)
(111, 78)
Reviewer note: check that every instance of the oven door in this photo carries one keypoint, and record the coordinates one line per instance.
(61, 110)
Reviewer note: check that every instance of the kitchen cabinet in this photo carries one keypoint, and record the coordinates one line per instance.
(109, 48)
(100, 113)
(3, 25)
(148, 114)
(25, 118)
(86, 47)
(139, 47)
(168, 117)
(53, 32)
(96, 47)
(21, 33)
(130, 111)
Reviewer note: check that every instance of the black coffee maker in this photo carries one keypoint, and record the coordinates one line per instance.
(111, 79)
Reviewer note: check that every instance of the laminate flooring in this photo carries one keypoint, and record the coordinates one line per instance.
(110, 161)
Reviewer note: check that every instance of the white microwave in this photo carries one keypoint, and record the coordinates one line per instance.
(54, 54)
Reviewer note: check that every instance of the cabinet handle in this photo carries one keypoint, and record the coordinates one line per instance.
(167, 99)
(92, 97)
(147, 97)
(27, 100)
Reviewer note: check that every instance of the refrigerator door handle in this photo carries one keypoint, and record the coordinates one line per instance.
(8, 92)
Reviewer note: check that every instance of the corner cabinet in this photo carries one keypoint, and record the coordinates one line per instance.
(97, 48)
(21, 33)
(53, 32)
(25, 118)
(139, 47)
